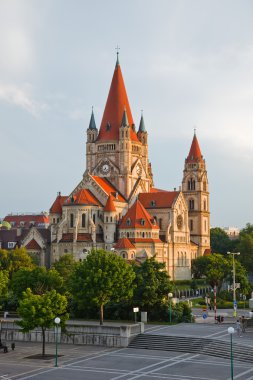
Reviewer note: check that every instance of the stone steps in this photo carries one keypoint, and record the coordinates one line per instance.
(203, 346)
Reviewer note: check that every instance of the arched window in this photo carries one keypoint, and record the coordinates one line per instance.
(204, 186)
(128, 222)
(71, 220)
(191, 204)
(191, 184)
(83, 220)
(205, 205)
(191, 224)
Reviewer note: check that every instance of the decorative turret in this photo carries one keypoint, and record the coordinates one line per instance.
(142, 133)
(109, 222)
(124, 122)
(92, 134)
(92, 131)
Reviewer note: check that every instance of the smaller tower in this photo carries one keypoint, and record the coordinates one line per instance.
(142, 133)
(125, 153)
(195, 190)
(109, 222)
(92, 134)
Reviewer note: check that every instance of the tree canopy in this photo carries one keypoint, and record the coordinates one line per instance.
(39, 280)
(4, 280)
(41, 310)
(152, 283)
(14, 260)
(220, 242)
(100, 278)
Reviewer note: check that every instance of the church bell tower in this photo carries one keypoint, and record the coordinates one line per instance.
(196, 192)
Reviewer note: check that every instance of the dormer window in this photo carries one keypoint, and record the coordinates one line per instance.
(152, 203)
(128, 222)
(142, 222)
(108, 126)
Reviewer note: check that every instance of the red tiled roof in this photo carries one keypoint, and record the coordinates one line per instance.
(83, 197)
(138, 217)
(68, 237)
(110, 207)
(27, 220)
(155, 190)
(195, 152)
(33, 245)
(56, 207)
(145, 240)
(124, 243)
(159, 199)
(117, 101)
(108, 188)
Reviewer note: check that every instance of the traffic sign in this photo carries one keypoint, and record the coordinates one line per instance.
(204, 316)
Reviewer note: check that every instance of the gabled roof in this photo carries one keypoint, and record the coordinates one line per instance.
(56, 207)
(195, 152)
(138, 217)
(33, 245)
(159, 199)
(117, 101)
(124, 243)
(27, 220)
(109, 188)
(83, 197)
(110, 207)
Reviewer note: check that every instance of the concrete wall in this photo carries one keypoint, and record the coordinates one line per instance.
(109, 336)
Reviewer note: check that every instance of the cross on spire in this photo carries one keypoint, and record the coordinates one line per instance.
(117, 48)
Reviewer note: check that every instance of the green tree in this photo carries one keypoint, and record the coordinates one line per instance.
(101, 278)
(39, 280)
(41, 310)
(152, 284)
(65, 267)
(14, 260)
(245, 247)
(220, 242)
(4, 280)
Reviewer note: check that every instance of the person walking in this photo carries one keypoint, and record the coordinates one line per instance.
(244, 324)
(238, 327)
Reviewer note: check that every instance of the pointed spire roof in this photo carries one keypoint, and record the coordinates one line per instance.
(142, 125)
(92, 124)
(116, 102)
(195, 152)
(110, 207)
(124, 122)
(138, 217)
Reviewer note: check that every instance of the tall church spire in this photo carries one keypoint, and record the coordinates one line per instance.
(117, 101)
(195, 152)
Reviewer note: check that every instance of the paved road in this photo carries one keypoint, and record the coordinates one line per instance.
(98, 363)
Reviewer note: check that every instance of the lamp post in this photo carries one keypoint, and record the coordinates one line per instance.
(234, 290)
(57, 322)
(231, 331)
(170, 295)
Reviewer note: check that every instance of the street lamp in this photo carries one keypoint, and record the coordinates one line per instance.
(170, 295)
(234, 293)
(231, 331)
(57, 322)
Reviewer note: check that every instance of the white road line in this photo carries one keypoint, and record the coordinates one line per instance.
(158, 369)
(149, 366)
(242, 373)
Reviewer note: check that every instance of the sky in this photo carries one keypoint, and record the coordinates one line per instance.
(186, 64)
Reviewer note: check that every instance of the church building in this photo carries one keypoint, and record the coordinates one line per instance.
(116, 205)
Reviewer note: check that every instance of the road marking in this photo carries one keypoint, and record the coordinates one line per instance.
(243, 373)
(149, 366)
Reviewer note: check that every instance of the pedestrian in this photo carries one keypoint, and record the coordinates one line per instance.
(244, 324)
(238, 327)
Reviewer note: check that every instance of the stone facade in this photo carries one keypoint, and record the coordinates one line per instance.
(116, 206)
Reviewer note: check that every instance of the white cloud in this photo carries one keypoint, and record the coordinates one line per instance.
(21, 97)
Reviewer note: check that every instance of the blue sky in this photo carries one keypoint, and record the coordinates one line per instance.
(187, 64)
